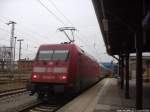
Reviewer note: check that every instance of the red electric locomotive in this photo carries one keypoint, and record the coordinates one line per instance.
(63, 68)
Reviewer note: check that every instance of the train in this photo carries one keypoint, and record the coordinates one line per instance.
(63, 68)
(109, 69)
(105, 71)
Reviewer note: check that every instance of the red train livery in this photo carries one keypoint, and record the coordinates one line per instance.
(63, 68)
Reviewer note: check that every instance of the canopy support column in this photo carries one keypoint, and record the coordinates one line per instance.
(122, 71)
(138, 47)
(139, 76)
(127, 76)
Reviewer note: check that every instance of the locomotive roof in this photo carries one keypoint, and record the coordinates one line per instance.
(47, 45)
(44, 46)
(87, 54)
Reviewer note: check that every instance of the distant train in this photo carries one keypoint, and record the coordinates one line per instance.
(105, 72)
(63, 68)
(109, 69)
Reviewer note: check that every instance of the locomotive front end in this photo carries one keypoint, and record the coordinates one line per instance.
(50, 71)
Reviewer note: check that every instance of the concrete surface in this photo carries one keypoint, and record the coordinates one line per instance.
(106, 96)
(86, 101)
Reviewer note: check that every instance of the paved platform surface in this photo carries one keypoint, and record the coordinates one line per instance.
(106, 96)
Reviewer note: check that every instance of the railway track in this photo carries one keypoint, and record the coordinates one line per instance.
(50, 105)
(43, 107)
(27, 107)
(12, 92)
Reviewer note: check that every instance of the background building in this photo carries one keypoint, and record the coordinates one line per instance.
(146, 67)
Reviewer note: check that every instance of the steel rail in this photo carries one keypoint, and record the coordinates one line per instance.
(11, 92)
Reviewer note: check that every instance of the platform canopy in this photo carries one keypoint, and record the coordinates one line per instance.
(119, 21)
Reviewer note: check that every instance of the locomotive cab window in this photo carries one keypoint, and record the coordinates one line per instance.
(61, 55)
(45, 55)
(54, 55)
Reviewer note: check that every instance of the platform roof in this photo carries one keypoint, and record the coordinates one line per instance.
(118, 24)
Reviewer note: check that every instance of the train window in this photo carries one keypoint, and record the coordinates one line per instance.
(45, 55)
(60, 55)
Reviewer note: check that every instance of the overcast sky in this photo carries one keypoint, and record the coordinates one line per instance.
(36, 25)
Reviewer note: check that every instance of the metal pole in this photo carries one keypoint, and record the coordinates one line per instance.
(127, 76)
(15, 48)
(20, 40)
(12, 45)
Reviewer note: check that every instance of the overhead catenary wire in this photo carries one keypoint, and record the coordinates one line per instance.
(59, 19)
(29, 30)
(30, 35)
(90, 47)
(50, 12)
(4, 40)
(1, 20)
(34, 32)
(38, 42)
(56, 9)
(51, 1)
(61, 12)
(55, 14)
(26, 54)
(4, 30)
(63, 15)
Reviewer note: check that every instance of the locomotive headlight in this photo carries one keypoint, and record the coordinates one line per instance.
(60, 70)
(64, 77)
(39, 69)
(34, 76)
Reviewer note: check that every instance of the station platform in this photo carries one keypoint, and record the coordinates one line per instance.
(106, 96)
